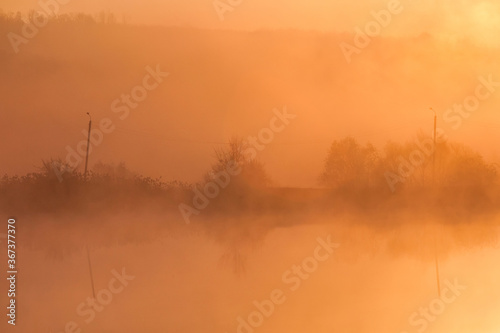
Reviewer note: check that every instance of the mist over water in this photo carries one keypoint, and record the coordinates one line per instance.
(187, 280)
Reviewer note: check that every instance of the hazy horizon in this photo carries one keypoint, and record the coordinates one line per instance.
(253, 166)
(466, 18)
(383, 94)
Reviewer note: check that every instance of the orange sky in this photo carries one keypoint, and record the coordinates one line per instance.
(477, 18)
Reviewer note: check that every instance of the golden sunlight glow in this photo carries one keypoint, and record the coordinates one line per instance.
(485, 22)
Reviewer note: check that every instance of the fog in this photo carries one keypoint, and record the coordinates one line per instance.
(250, 166)
(224, 83)
(447, 18)
(372, 282)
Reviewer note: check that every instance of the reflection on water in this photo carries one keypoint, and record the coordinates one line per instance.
(376, 280)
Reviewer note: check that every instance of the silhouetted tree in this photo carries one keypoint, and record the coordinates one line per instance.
(350, 165)
(252, 173)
